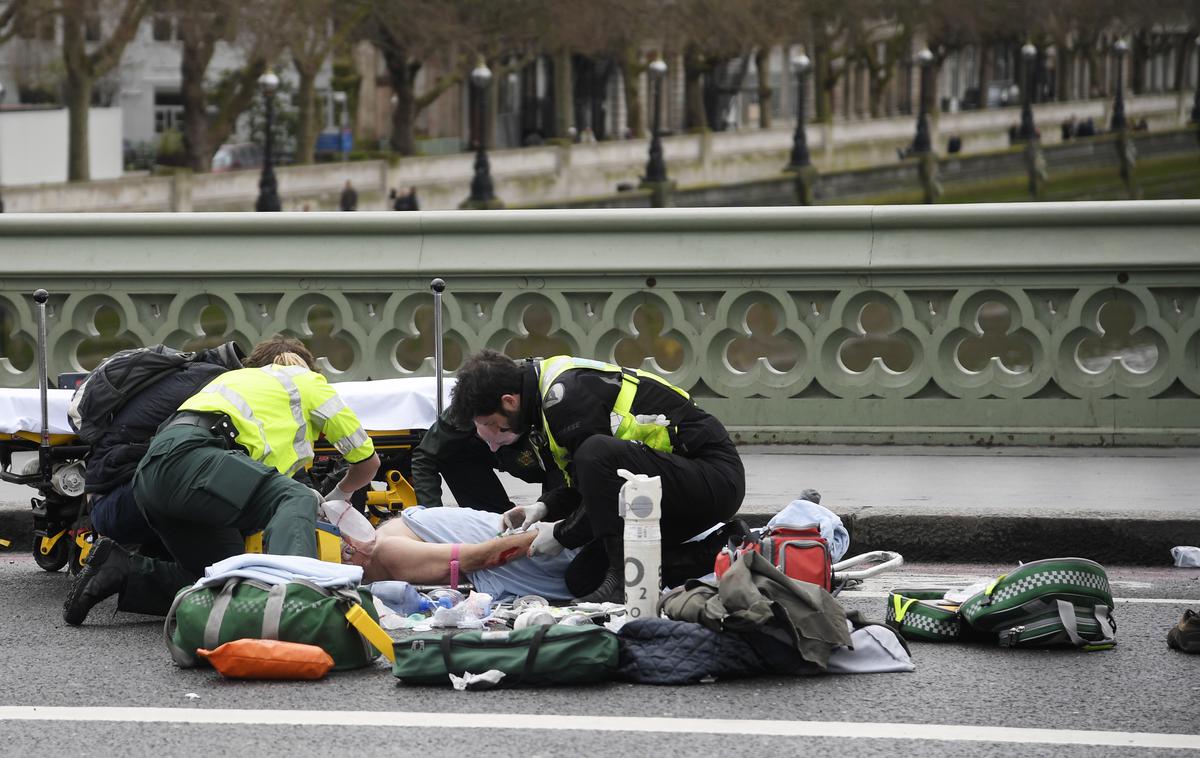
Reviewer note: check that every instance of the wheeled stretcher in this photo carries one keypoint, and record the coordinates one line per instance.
(33, 422)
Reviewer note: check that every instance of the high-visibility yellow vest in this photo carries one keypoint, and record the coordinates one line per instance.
(624, 424)
(279, 411)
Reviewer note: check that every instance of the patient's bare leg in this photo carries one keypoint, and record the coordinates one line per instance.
(400, 554)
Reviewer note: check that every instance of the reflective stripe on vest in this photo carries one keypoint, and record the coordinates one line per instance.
(625, 425)
(300, 444)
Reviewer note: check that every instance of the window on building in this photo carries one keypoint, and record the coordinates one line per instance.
(168, 111)
(91, 27)
(161, 27)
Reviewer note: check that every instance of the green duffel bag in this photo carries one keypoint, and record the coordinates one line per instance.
(1058, 601)
(297, 611)
(921, 615)
(535, 655)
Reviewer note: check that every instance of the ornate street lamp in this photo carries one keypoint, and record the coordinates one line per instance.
(1195, 103)
(656, 169)
(921, 142)
(482, 193)
(2, 102)
(1120, 47)
(1028, 53)
(800, 66)
(268, 189)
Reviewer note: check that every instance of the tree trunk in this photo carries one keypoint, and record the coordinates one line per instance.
(564, 99)
(631, 77)
(403, 76)
(762, 65)
(306, 131)
(78, 91)
(985, 74)
(195, 58)
(694, 115)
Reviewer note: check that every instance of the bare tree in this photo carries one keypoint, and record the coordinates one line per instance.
(313, 29)
(255, 28)
(83, 19)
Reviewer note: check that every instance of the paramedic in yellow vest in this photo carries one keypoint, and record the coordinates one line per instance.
(597, 418)
(221, 468)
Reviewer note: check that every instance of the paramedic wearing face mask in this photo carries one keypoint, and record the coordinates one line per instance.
(467, 459)
(596, 418)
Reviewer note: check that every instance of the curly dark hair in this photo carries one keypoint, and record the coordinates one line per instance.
(265, 352)
(482, 379)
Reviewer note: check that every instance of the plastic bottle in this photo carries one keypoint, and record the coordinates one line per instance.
(401, 597)
(348, 520)
(640, 503)
(446, 598)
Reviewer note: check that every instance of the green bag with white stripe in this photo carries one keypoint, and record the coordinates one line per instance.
(295, 611)
(1058, 601)
(923, 615)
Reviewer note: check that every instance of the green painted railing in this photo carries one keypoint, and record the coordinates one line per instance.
(1020, 323)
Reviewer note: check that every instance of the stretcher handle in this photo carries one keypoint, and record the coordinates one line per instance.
(889, 561)
(438, 286)
(40, 297)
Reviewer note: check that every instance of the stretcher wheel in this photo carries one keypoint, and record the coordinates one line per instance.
(56, 558)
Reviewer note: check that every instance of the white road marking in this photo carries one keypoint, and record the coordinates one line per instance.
(850, 594)
(847, 729)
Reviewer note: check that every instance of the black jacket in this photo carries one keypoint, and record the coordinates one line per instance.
(116, 454)
(445, 444)
(581, 409)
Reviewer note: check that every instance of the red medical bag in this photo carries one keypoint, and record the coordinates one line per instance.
(798, 551)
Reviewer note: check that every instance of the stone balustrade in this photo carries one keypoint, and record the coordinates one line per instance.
(1074, 323)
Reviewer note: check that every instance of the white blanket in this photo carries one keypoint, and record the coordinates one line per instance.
(383, 405)
(280, 569)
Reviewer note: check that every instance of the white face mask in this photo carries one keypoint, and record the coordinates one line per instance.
(495, 438)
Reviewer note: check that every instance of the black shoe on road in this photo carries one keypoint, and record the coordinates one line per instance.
(1185, 635)
(611, 590)
(103, 575)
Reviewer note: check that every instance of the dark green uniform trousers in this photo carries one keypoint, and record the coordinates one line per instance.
(202, 499)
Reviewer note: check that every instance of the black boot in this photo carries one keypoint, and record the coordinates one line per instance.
(103, 575)
(612, 586)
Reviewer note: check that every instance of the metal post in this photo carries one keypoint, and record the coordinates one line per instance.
(438, 286)
(268, 188)
(921, 142)
(800, 157)
(2, 104)
(482, 191)
(1028, 54)
(656, 168)
(39, 298)
(1118, 115)
(1196, 101)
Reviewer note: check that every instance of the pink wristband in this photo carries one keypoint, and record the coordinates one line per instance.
(454, 566)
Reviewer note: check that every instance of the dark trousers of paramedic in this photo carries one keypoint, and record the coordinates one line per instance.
(697, 491)
(202, 499)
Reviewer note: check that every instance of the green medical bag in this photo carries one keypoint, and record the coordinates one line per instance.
(1058, 601)
(535, 655)
(297, 611)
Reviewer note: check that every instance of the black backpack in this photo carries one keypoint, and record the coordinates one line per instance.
(125, 373)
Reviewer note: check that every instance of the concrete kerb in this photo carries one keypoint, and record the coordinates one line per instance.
(1145, 539)
(942, 504)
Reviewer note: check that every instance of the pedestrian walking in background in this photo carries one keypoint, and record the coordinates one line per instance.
(349, 198)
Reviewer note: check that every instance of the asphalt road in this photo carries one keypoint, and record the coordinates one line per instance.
(121, 695)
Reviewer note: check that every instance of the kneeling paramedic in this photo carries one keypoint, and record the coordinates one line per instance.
(219, 469)
(597, 418)
(469, 465)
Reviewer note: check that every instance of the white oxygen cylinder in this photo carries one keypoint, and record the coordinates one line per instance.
(640, 504)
